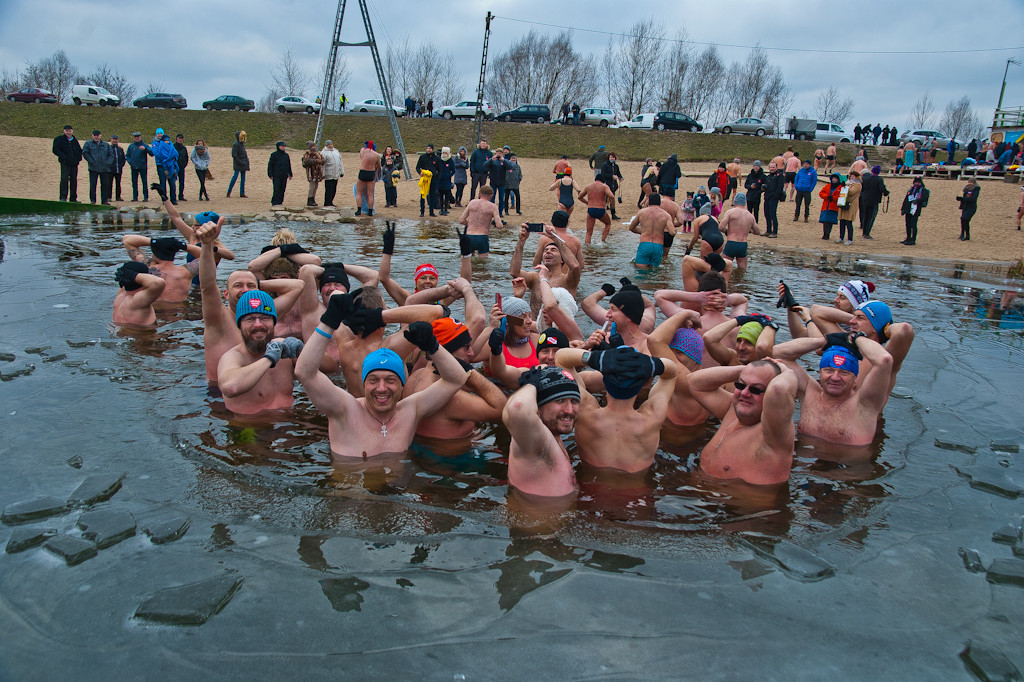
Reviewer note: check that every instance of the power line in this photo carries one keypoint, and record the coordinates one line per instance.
(763, 47)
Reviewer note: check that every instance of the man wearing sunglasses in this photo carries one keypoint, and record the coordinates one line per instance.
(755, 441)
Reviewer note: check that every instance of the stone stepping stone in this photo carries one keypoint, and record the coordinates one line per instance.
(26, 538)
(70, 548)
(96, 488)
(75, 462)
(794, 560)
(167, 530)
(1007, 535)
(191, 604)
(988, 663)
(971, 559)
(107, 527)
(38, 508)
(1006, 572)
(953, 445)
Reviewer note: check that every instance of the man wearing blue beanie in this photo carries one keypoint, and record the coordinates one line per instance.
(837, 408)
(382, 420)
(258, 374)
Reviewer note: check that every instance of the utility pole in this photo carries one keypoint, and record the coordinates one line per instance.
(332, 61)
(480, 84)
(1002, 90)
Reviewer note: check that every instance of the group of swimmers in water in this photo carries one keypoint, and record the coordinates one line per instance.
(526, 362)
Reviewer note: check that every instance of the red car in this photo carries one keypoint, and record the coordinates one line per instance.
(32, 95)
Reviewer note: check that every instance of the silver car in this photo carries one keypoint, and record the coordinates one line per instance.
(291, 103)
(831, 132)
(465, 109)
(598, 117)
(918, 136)
(368, 105)
(747, 126)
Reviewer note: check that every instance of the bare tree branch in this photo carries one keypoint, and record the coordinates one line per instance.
(831, 107)
(114, 81)
(706, 75)
(960, 121)
(923, 113)
(678, 59)
(55, 73)
(636, 60)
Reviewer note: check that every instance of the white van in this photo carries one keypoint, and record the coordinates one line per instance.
(94, 94)
(639, 121)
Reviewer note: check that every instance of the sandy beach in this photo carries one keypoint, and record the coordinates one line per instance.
(31, 171)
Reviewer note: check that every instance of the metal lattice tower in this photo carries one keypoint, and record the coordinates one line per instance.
(332, 61)
(480, 84)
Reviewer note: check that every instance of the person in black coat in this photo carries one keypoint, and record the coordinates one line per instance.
(432, 162)
(668, 177)
(872, 190)
(119, 160)
(754, 184)
(916, 199)
(774, 191)
(179, 146)
(279, 170)
(968, 207)
(69, 153)
(610, 169)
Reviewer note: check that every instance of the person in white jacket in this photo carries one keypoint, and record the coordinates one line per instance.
(333, 169)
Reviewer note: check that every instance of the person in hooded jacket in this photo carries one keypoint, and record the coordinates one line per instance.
(829, 215)
(240, 163)
(460, 176)
(179, 146)
(668, 177)
(848, 213)
(333, 169)
(754, 184)
(916, 199)
(166, 157)
(446, 169)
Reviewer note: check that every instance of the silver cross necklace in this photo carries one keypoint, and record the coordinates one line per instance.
(384, 424)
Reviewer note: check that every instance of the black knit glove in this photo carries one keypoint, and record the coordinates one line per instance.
(421, 335)
(339, 307)
(389, 238)
(365, 321)
(291, 250)
(608, 289)
(159, 190)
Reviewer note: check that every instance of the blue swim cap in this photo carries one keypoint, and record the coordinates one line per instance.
(206, 217)
(838, 357)
(254, 301)
(880, 317)
(384, 358)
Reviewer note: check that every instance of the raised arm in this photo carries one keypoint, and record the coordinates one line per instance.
(515, 267)
(558, 317)
(706, 388)
(213, 306)
(395, 291)
(874, 390)
(328, 398)
(777, 415)
(828, 319)
(133, 244)
(523, 422)
(152, 287)
(434, 397)
(714, 342)
(287, 293)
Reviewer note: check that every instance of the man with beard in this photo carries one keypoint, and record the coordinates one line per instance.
(537, 416)
(755, 440)
(382, 420)
(258, 374)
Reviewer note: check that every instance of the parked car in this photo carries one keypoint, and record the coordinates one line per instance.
(941, 141)
(164, 100)
(527, 113)
(293, 103)
(36, 95)
(368, 105)
(598, 117)
(747, 126)
(464, 109)
(673, 120)
(639, 121)
(831, 132)
(230, 102)
(94, 94)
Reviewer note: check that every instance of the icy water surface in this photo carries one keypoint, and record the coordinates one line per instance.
(420, 565)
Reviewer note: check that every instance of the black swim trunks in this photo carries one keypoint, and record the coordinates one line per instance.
(366, 176)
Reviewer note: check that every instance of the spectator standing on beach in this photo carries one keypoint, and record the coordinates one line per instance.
(851, 206)
(968, 207)
(391, 165)
(446, 170)
(597, 160)
(805, 181)
(478, 167)
(100, 158)
(876, 132)
(429, 161)
(201, 163)
(333, 170)
(179, 146)
(668, 176)
(460, 176)
(892, 136)
(69, 154)
(856, 133)
(119, 159)
(512, 180)
(279, 170)
(240, 163)
(774, 190)
(138, 154)
(754, 184)
(829, 215)
(872, 190)
(916, 199)
(313, 162)
(497, 172)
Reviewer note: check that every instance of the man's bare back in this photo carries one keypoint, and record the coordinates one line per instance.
(369, 160)
(478, 216)
(651, 223)
(738, 223)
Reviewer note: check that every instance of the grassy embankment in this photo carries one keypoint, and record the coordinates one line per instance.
(349, 132)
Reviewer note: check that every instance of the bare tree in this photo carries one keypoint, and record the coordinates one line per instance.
(114, 81)
(703, 83)
(540, 70)
(923, 113)
(636, 61)
(287, 77)
(959, 120)
(778, 98)
(342, 77)
(449, 86)
(677, 58)
(831, 107)
(154, 86)
(55, 73)
(425, 71)
(397, 70)
(10, 80)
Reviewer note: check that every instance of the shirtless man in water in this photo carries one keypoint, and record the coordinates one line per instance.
(381, 421)
(478, 216)
(618, 436)
(652, 224)
(258, 374)
(560, 223)
(558, 258)
(220, 332)
(369, 165)
(133, 305)
(597, 195)
(738, 223)
(755, 441)
(177, 277)
(537, 416)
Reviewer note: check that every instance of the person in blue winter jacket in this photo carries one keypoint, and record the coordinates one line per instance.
(804, 183)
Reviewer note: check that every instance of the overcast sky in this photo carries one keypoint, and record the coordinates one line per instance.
(205, 48)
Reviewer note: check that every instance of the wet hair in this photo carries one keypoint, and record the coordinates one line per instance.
(280, 266)
(369, 297)
(283, 236)
(711, 281)
(765, 363)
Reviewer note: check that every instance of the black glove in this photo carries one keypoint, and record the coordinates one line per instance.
(497, 338)
(465, 244)
(126, 274)
(616, 340)
(608, 289)
(534, 376)
(786, 300)
(339, 307)
(365, 321)
(291, 249)
(842, 339)
(421, 335)
(765, 321)
(159, 190)
(291, 347)
(743, 319)
(273, 352)
(687, 251)
(389, 238)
